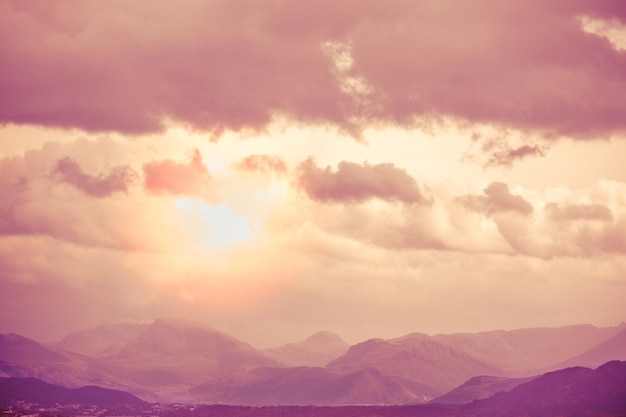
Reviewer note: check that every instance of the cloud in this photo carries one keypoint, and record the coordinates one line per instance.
(169, 176)
(572, 212)
(354, 183)
(36, 201)
(501, 148)
(224, 65)
(263, 163)
(497, 199)
(118, 179)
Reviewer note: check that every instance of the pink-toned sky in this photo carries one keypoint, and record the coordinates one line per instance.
(274, 168)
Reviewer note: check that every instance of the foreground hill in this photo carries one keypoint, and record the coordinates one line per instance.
(317, 350)
(40, 392)
(415, 357)
(306, 385)
(568, 392)
(478, 388)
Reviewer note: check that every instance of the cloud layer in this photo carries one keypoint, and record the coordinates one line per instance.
(287, 225)
(357, 183)
(134, 67)
(118, 180)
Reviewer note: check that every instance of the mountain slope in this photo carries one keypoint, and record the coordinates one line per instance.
(527, 350)
(415, 357)
(18, 349)
(160, 363)
(38, 391)
(102, 340)
(316, 350)
(478, 388)
(307, 385)
(612, 349)
(172, 351)
(571, 391)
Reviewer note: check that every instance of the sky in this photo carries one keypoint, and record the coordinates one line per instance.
(277, 168)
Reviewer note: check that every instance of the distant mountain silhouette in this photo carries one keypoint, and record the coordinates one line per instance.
(160, 363)
(164, 360)
(103, 340)
(479, 387)
(316, 350)
(611, 349)
(18, 349)
(38, 391)
(174, 350)
(574, 391)
(307, 385)
(415, 357)
(529, 350)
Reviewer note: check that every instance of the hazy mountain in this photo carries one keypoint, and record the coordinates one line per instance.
(38, 391)
(18, 349)
(180, 351)
(102, 340)
(159, 363)
(480, 387)
(317, 350)
(307, 385)
(569, 392)
(416, 357)
(21, 357)
(527, 350)
(611, 349)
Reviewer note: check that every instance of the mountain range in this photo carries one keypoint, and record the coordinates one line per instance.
(42, 393)
(172, 360)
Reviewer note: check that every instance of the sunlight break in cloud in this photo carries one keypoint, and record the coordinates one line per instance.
(374, 168)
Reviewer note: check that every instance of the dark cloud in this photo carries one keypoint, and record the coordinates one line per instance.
(132, 66)
(497, 199)
(263, 163)
(179, 178)
(569, 212)
(118, 179)
(355, 183)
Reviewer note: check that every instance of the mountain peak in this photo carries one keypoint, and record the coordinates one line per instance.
(179, 322)
(316, 350)
(325, 337)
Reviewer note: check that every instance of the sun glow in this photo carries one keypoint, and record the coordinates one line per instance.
(217, 225)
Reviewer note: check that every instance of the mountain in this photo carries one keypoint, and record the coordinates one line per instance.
(18, 349)
(21, 357)
(317, 350)
(103, 340)
(38, 391)
(415, 357)
(611, 349)
(158, 363)
(573, 391)
(170, 356)
(308, 385)
(525, 351)
(174, 350)
(478, 388)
